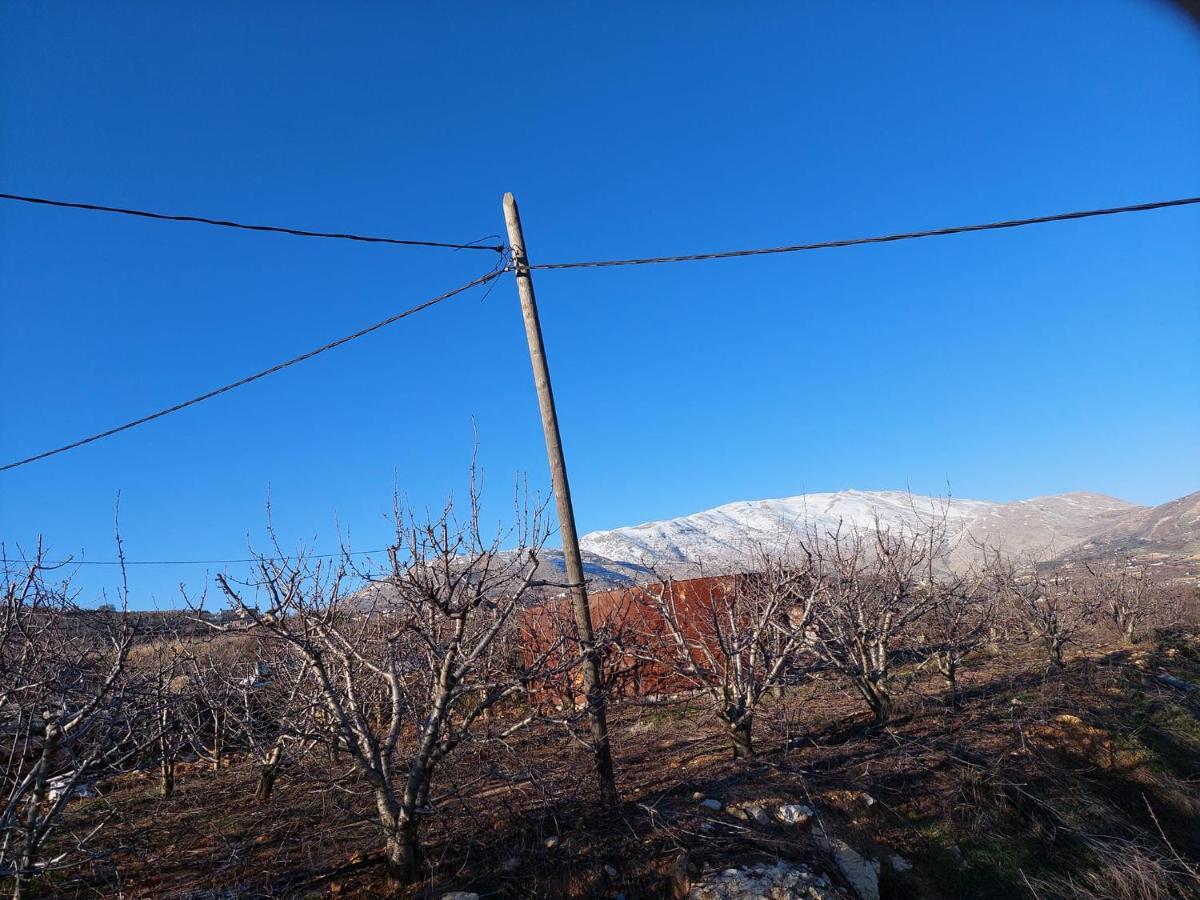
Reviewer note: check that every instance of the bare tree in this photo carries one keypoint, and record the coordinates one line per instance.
(547, 632)
(733, 638)
(1127, 595)
(162, 686)
(64, 715)
(960, 620)
(1056, 608)
(209, 709)
(406, 668)
(248, 693)
(272, 711)
(876, 588)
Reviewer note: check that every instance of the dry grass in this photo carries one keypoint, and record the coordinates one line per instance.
(1077, 783)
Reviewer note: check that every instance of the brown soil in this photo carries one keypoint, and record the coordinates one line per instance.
(1036, 776)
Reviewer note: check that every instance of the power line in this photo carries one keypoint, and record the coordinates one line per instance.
(224, 223)
(880, 239)
(203, 562)
(495, 273)
(501, 268)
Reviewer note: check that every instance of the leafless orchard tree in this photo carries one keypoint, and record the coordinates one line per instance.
(1056, 608)
(406, 668)
(64, 711)
(960, 620)
(209, 711)
(162, 689)
(1127, 594)
(250, 693)
(875, 589)
(272, 712)
(1180, 604)
(188, 681)
(735, 638)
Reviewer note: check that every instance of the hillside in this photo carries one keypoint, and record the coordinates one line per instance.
(1042, 527)
(601, 572)
(1170, 529)
(1045, 527)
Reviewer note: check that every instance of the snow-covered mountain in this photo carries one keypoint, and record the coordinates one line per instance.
(725, 537)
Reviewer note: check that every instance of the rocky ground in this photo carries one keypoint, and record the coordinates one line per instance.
(1076, 783)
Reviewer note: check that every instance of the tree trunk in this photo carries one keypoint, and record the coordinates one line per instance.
(950, 673)
(1055, 646)
(216, 754)
(1130, 631)
(403, 859)
(29, 853)
(996, 640)
(166, 777)
(743, 746)
(877, 699)
(166, 756)
(266, 775)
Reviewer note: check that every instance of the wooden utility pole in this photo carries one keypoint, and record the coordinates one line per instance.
(592, 682)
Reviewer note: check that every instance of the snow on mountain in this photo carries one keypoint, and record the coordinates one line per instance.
(727, 536)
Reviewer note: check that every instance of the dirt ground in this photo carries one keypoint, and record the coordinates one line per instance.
(1038, 783)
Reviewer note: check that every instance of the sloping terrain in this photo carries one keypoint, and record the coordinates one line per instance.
(1045, 527)
(602, 574)
(1062, 526)
(727, 536)
(730, 534)
(1170, 529)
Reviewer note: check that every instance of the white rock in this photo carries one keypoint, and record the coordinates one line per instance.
(794, 814)
(711, 803)
(780, 880)
(899, 863)
(553, 841)
(56, 787)
(861, 871)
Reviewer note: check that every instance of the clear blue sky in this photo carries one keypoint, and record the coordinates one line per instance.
(1010, 364)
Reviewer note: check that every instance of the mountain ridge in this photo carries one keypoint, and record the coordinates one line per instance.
(1040, 528)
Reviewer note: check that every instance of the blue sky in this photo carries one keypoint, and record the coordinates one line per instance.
(1009, 364)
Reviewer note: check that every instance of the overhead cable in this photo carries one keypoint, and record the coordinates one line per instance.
(495, 273)
(203, 562)
(879, 239)
(225, 223)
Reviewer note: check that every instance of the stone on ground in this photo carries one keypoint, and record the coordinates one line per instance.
(861, 871)
(780, 880)
(794, 814)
